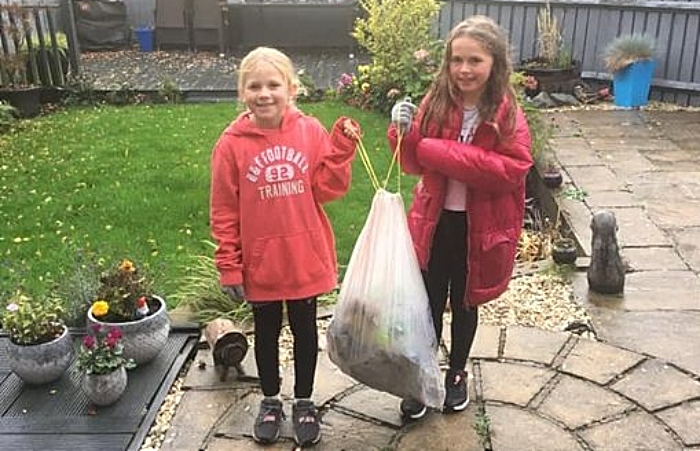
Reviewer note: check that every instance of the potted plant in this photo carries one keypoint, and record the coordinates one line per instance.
(553, 68)
(40, 347)
(125, 300)
(101, 359)
(552, 176)
(630, 59)
(563, 249)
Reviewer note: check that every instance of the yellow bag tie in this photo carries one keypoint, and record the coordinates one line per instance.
(367, 163)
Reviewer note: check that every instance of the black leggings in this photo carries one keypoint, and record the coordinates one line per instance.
(267, 317)
(447, 275)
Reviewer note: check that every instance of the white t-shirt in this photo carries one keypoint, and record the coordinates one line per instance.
(456, 198)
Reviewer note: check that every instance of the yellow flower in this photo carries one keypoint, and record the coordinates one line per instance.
(365, 87)
(100, 308)
(127, 266)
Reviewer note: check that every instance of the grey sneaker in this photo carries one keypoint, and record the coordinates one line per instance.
(412, 409)
(266, 429)
(307, 425)
(456, 393)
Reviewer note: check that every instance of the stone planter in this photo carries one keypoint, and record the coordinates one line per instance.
(44, 363)
(105, 389)
(552, 79)
(144, 338)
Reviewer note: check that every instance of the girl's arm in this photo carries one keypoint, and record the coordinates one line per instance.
(224, 213)
(500, 169)
(333, 172)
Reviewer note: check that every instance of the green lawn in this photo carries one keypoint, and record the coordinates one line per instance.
(133, 182)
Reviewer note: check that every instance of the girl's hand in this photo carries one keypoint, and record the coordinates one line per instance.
(351, 129)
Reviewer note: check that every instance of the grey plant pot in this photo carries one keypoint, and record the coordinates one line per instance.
(105, 389)
(44, 363)
(143, 338)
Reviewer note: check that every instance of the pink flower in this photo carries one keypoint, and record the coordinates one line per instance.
(89, 341)
(115, 332)
(112, 341)
(346, 79)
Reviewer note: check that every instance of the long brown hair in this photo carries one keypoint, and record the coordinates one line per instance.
(443, 95)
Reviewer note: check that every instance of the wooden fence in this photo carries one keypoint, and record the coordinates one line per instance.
(588, 25)
(33, 51)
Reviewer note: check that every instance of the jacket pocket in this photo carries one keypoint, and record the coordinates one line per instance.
(497, 257)
(290, 261)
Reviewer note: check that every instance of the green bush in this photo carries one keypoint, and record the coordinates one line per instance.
(404, 52)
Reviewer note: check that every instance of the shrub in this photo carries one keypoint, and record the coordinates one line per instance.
(404, 53)
(627, 49)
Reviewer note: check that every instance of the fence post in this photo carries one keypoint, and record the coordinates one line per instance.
(72, 36)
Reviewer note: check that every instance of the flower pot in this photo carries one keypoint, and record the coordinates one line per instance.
(143, 338)
(44, 363)
(564, 251)
(105, 389)
(631, 85)
(552, 178)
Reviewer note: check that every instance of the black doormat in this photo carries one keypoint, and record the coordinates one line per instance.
(58, 416)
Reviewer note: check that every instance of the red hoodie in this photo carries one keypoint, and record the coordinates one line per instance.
(267, 187)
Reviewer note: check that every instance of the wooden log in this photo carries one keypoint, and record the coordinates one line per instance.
(228, 345)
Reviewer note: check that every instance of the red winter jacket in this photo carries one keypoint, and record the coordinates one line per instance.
(494, 171)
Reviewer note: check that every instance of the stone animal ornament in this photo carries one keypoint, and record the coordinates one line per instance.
(606, 273)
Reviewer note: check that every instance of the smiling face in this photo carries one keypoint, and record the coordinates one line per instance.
(470, 67)
(267, 93)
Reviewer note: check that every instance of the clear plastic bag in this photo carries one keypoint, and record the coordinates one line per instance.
(381, 333)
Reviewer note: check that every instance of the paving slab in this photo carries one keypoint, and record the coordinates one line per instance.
(655, 385)
(634, 432)
(529, 343)
(653, 258)
(514, 429)
(513, 383)
(636, 228)
(576, 403)
(684, 420)
(674, 214)
(598, 362)
(455, 432)
(688, 246)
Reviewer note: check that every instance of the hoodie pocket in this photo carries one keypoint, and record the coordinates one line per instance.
(288, 261)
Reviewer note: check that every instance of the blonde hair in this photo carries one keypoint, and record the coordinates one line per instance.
(443, 94)
(274, 57)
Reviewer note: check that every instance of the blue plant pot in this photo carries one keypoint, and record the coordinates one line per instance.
(631, 85)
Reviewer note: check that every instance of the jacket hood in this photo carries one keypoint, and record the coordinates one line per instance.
(244, 126)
